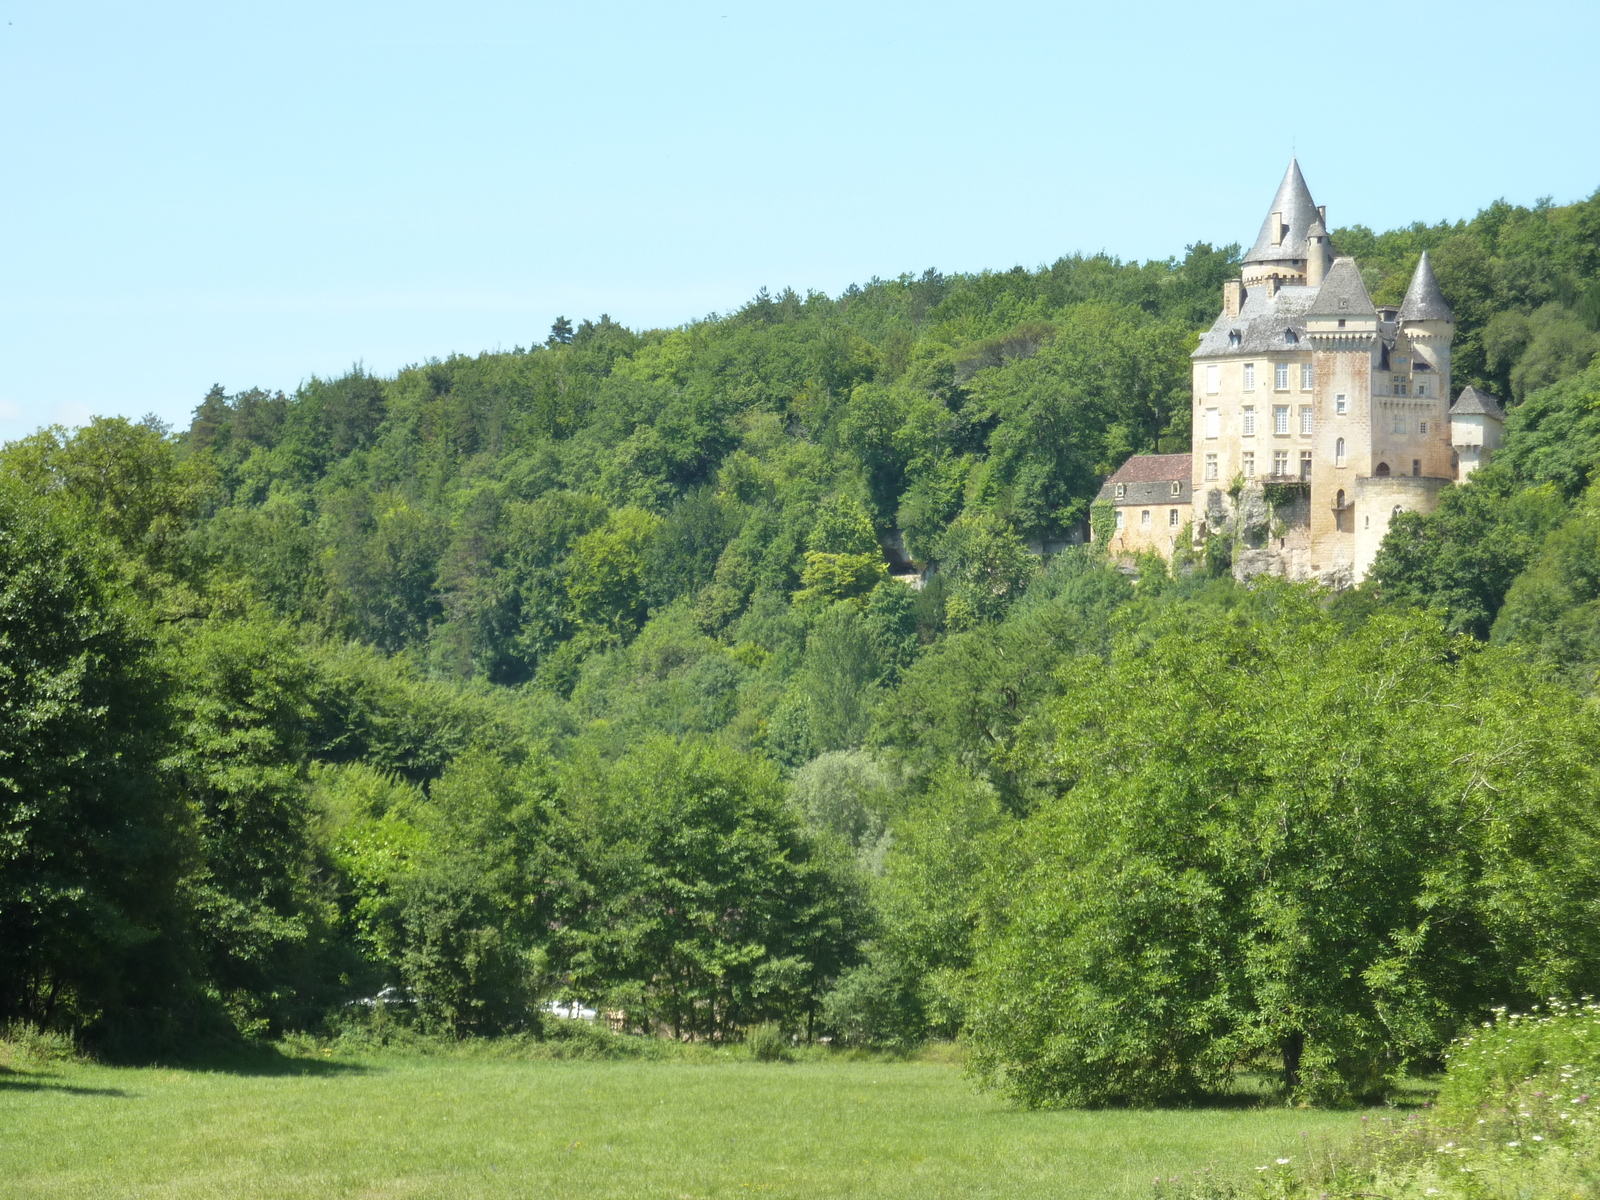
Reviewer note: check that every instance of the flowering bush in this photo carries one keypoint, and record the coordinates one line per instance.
(1516, 1118)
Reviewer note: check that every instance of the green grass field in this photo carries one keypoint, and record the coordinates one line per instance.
(459, 1127)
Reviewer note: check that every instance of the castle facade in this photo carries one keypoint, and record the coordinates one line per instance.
(1317, 415)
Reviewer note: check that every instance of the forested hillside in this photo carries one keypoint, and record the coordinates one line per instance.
(581, 671)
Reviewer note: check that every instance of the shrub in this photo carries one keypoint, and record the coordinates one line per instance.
(768, 1043)
(1519, 1061)
(28, 1045)
(1516, 1118)
(876, 1004)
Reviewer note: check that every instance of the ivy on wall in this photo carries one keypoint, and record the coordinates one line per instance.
(1102, 522)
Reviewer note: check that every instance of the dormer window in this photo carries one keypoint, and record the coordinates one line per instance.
(1233, 337)
(1290, 337)
(1177, 488)
(1122, 490)
(1343, 302)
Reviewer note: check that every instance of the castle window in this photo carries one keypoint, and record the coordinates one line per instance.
(1213, 423)
(1233, 338)
(1280, 463)
(1305, 418)
(1280, 377)
(1280, 418)
(1172, 519)
(1395, 512)
(1338, 501)
(1213, 384)
(1307, 377)
(1144, 518)
(1339, 405)
(1122, 490)
(1399, 383)
(1381, 470)
(1291, 337)
(1422, 389)
(1422, 427)
(1211, 466)
(1341, 322)
(1119, 518)
(1305, 464)
(1177, 487)
(1249, 377)
(1338, 454)
(1248, 420)
(1399, 422)
(1249, 464)
(1416, 467)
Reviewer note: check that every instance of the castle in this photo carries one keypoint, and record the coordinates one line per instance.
(1318, 415)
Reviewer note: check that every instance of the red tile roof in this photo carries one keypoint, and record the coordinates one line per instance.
(1153, 468)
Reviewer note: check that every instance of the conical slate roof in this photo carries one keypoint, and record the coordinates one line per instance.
(1342, 294)
(1424, 301)
(1473, 401)
(1298, 211)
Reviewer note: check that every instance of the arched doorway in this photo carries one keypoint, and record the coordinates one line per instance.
(1382, 471)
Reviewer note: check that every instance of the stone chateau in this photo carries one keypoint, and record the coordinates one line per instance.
(1318, 415)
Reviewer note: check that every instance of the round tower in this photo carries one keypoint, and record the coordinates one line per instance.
(1425, 318)
(1280, 251)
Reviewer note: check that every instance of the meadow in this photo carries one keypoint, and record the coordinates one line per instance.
(399, 1126)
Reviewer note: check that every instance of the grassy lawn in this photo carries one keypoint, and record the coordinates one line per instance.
(420, 1127)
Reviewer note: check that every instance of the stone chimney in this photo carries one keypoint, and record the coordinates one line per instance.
(1232, 297)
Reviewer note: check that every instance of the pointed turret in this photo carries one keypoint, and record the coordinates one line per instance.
(1424, 301)
(1280, 247)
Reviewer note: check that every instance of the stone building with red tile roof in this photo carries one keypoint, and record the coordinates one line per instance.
(1152, 497)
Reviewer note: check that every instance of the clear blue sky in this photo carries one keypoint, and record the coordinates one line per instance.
(251, 194)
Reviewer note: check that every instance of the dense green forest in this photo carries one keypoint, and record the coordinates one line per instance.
(583, 671)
